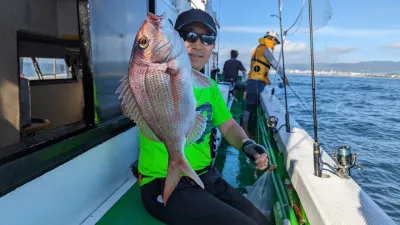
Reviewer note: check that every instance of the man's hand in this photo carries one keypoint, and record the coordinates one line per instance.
(256, 153)
(261, 161)
(286, 81)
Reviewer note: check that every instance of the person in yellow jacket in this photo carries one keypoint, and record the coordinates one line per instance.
(262, 60)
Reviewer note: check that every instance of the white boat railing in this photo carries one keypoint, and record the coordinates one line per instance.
(327, 200)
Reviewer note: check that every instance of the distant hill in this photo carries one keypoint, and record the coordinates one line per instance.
(387, 67)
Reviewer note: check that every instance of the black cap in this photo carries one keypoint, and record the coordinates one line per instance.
(195, 15)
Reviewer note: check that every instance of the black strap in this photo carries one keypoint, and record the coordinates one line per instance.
(257, 60)
(265, 64)
(207, 168)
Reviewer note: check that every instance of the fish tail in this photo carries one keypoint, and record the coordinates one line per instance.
(175, 170)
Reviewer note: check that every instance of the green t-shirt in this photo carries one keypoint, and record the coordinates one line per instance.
(153, 156)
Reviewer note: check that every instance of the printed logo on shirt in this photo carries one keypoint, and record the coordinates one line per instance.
(206, 110)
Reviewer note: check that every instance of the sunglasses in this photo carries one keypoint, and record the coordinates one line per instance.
(190, 36)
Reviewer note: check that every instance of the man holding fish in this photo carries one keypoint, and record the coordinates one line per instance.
(175, 107)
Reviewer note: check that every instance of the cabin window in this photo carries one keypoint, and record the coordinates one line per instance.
(51, 88)
(35, 68)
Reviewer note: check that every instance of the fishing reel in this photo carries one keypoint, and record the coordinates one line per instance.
(272, 122)
(345, 160)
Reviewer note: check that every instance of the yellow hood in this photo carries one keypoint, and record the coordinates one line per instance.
(265, 41)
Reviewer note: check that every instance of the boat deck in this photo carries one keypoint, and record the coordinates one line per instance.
(232, 164)
(129, 210)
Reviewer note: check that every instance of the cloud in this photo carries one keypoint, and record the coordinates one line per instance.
(393, 46)
(295, 52)
(340, 32)
(246, 29)
(294, 47)
(319, 57)
(332, 54)
(244, 53)
(340, 49)
(357, 33)
(129, 16)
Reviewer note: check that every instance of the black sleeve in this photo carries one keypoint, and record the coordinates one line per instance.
(241, 67)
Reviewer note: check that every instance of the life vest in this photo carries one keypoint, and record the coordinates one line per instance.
(260, 66)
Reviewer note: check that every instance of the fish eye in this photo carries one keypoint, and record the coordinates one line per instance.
(143, 42)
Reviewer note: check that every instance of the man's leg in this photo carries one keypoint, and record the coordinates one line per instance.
(251, 101)
(232, 197)
(251, 110)
(190, 204)
(150, 192)
(196, 206)
(245, 125)
(234, 90)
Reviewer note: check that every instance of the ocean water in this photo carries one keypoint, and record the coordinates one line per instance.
(363, 113)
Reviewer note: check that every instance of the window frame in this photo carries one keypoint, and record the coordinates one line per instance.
(29, 162)
(23, 35)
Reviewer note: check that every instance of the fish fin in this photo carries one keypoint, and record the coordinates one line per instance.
(197, 129)
(188, 170)
(174, 174)
(147, 132)
(201, 80)
(131, 110)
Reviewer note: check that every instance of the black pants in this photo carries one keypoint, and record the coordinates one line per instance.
(217, 204)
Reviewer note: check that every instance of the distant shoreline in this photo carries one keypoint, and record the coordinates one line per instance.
(360, 76)
(344, 74)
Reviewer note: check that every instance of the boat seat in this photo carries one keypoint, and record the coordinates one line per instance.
(129, 210)
(35, 126)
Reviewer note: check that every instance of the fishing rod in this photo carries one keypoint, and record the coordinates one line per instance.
(316, 147)
(283, 70)
(342, 155)
(219, 18)
(284, 38)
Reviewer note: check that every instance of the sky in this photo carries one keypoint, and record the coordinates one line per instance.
(346, 30)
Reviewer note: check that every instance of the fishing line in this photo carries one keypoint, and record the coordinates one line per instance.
(305, 106)
(218, 42)
(283, 70)
(194, 4)
(298, 17)
(284, 39)
(323, 143)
